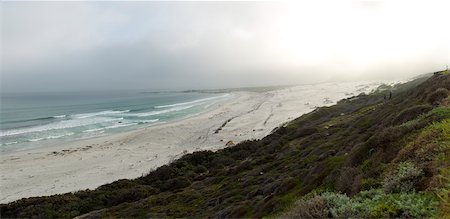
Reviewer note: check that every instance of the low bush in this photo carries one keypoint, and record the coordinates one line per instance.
(200, 169)
(312, 208)
(175, 184)
(361, 152)
(366, 204)
(388, 136)
(375, 203)
(444, 192)
(370, 183)
(325, 205)
(403, 179)
(129, 195)
(436, 96)
(302, 132)
(411, 113)
(438, 114)
(348, 180)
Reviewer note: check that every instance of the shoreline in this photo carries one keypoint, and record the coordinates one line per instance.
(57, 142)
(89, 163)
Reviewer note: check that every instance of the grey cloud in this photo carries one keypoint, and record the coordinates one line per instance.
(189, 45)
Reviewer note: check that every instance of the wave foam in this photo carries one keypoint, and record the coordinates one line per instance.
(93, 130)
(148, 121)
(50, 137)
(9, 143)
(59, 125)
(121, 125)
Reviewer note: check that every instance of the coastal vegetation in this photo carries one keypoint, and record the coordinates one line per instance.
(366, 156)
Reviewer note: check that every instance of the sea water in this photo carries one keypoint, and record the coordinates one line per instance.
(31, 120)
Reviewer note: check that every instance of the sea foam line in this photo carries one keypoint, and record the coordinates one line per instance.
(111, 127)
(121, 125)
(175, 107)
(191, 102)
(152, 113)
(102, 113)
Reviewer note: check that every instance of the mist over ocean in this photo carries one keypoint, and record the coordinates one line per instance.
(32, 119)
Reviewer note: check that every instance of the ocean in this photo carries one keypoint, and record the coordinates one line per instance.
(31, 120)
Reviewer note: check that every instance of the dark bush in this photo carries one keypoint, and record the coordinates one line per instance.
(349, 180)
(361, 152)
(411, 113)
(286, 186)
(162, 173)
(200, 169)
(302, 132)
(244, 165)
(122, 183)
(130, 195)
(238, 211)
(221, 161)
(175, 184)
(388, 136)
(41, 208)
(198, 158)
(437, 96)
(191, 175)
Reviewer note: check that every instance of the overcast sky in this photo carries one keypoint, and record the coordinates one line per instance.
(66, 46)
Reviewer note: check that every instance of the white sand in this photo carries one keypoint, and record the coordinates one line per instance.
(90, 163)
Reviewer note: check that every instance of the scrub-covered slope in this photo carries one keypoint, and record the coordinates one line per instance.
(366, 156)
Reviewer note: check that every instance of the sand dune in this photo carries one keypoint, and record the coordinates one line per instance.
(89, 163)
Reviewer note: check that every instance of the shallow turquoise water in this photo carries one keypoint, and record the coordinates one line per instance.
(32, 119)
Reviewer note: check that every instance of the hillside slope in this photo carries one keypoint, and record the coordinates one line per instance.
(363, 157)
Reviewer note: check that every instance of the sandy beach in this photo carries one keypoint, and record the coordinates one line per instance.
(89, 163)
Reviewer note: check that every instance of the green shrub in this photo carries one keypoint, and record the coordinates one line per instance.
(403, 179)
(325, 205)
(311, 208)
(416, 123)
(375, 203)
(444, 192)
(366, 204)
(340, 205)
(438, 114)
(370, 183)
